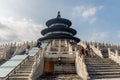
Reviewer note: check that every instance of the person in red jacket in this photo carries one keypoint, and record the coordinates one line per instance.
(83, 51)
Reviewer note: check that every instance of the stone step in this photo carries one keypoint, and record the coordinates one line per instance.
(101, 63)
(104, 73)
(21, 74)
(104, 70)
(98, 61)
(102, 67)
(63, 72)
(21, 71)
(19, 78)
(106, 66)
(26, 66)
(26, 69)
(93, 77)
(97, 58)
(88, 63)
(108, 79)
(30, 62)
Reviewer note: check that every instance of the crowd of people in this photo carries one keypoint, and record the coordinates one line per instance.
(87, 52)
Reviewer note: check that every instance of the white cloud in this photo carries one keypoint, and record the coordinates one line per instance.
(99, 36)
(89, 12)
(4, 34)
(92, 20)
(12, 29)
(118, 34)
(86, 13)
(100, 7)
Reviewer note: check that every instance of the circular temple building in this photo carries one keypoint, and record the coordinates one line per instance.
(59, 28)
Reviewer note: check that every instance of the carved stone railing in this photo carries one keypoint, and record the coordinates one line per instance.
(11, 49)
(37, 68)
(21, 48)
(114, 56)
(97, 51)
(70, 48)
(82, 43)
(2, 53)
(81, 67)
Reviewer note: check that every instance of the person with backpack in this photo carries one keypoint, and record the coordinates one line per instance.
(39, 44)
(27, 50)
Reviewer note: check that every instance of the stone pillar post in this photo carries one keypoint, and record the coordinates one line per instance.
(70, 49)
(53, 42)
(59, 46)
(117, 56)
(48, 48)
(98, 46)
(109, 55)
(66, 43)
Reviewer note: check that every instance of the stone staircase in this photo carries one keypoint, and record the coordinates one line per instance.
(102, 68)
(23, 73)
(59, 76)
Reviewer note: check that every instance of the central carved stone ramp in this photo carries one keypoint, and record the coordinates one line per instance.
(102, 68)
(59, 76)
(24, 71)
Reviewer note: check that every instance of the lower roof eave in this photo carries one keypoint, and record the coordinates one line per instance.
(45, 38)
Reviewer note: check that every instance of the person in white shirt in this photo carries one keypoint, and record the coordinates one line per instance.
(27, 50)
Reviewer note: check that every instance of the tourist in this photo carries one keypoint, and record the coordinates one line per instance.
(83, 51)
(27, 50)
(87, 52)
(39, 44)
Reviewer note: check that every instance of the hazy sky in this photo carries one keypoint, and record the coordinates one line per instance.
(94, 20)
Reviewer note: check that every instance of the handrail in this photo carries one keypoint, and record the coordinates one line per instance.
(34, 65)
(97, 51)
(114, 56)
(83, 44)
(38, 58)
(81, 67)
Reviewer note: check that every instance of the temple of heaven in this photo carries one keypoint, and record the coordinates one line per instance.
(59, 28)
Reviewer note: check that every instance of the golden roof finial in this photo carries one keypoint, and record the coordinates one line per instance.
(58, 16)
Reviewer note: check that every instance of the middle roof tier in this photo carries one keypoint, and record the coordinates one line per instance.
(58, 29)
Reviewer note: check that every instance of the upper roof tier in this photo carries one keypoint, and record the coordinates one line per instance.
(58, 20)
